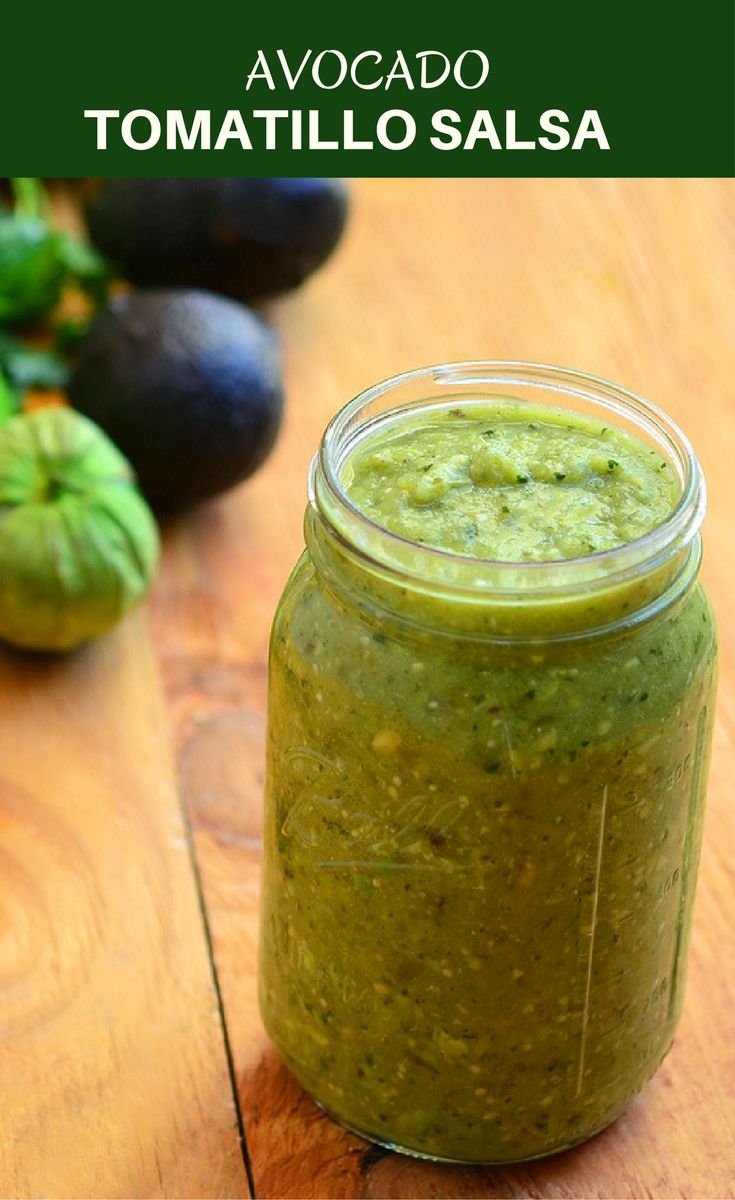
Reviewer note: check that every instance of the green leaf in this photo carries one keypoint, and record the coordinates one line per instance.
(31, 270)
(38, 261)
(70, 333)
(86, 266)
(28, 368)
(9, 405)
(81, 259)
(30, 196)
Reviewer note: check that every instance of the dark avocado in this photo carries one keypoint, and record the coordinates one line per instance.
(187, 384)
(245, 238)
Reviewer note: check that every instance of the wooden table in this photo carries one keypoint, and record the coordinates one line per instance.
(132, 1059)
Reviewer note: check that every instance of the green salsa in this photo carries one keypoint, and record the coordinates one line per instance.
(502, 483)
(480, 855)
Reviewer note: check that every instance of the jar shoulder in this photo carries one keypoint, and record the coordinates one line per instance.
(302, 578)
(686, 634)
(547, 696)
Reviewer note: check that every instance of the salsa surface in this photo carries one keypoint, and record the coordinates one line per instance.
(500, 482)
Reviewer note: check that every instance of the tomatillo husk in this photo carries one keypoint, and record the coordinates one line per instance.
(78, 543)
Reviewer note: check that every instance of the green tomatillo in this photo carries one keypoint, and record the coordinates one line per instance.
(78, 544)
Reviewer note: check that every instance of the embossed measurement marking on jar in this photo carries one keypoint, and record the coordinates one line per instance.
(669, 892)
(371, 864)
(592, 935)
(689, 858)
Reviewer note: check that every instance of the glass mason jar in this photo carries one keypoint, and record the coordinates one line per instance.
(484, 800)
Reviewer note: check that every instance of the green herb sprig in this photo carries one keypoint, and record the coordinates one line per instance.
(38, 261)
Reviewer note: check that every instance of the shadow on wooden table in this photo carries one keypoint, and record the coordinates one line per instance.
(302, 1153)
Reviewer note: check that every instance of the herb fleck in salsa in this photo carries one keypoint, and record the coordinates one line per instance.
(554, 487)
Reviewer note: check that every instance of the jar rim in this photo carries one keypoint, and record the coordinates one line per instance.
(448, 570)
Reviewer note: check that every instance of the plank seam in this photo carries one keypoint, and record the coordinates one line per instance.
(239, 1120)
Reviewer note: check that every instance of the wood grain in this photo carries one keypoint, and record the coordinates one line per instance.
(113, 1074)
(628, 279)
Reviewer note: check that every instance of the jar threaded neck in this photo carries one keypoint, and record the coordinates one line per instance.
(559, 596)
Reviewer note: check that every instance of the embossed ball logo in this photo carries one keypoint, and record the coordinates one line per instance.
(323, 810)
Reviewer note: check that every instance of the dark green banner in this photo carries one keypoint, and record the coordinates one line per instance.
(521, 89)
